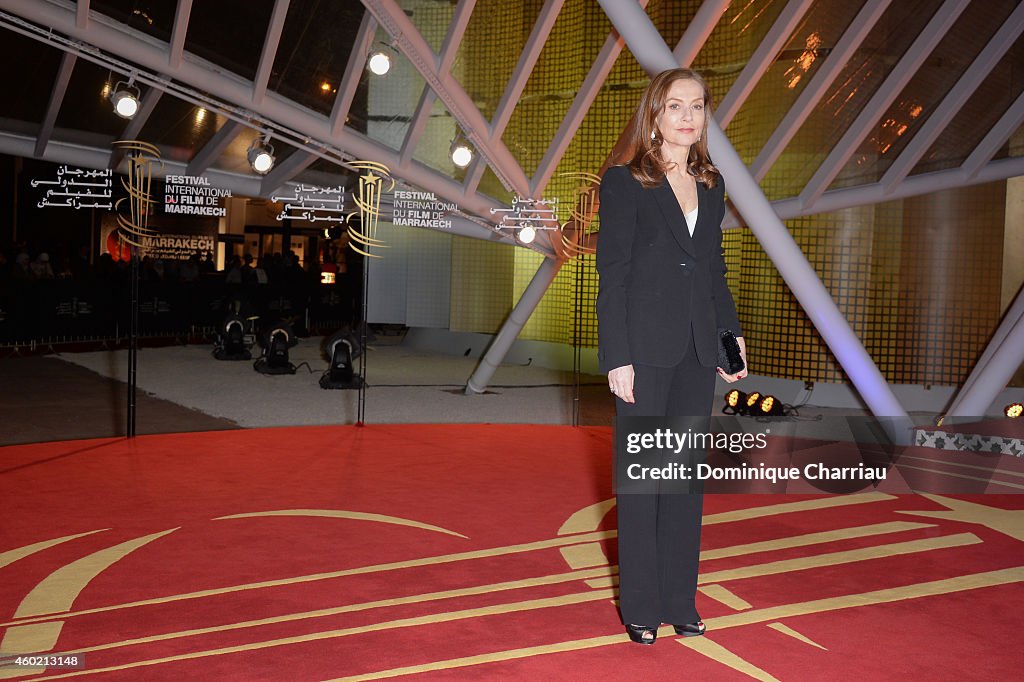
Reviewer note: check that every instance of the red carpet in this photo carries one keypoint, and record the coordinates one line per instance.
(462, 552)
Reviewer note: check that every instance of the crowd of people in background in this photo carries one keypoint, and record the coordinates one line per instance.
(23, 262)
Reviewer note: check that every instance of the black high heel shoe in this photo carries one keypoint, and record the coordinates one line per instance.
(637, 633)
(691, 629)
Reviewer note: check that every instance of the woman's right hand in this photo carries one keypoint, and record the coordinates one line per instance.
(620, 380)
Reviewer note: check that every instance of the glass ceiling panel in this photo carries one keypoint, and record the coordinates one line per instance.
(785, 80)
(495, 37)
(180, 128)
(856, 84)
(989, 102)
(315, 47)
(576, 39)
(86, 106)
(431, 18)
(152, 18)
(929, 86)
(29, 67)
(229, 33)
(391, 100)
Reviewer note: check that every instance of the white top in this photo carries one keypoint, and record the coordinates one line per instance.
(691, 219)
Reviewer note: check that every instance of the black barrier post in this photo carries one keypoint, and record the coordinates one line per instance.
(361, 405)
(133, 341)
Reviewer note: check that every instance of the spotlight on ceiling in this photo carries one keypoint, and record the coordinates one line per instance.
(340, 349)
(461, 152)
(261, 155)
(125, 98)
(526, 234)
(379, 62)
(1013, 410)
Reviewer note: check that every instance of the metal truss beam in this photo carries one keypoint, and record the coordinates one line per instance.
(697, 31)
(212, 150)
(1014, 314)
(449, 49)
(830, 69)
(82, 10)
(654, 56)
(60, 88)
(581, 104)
(887, 92)
(517, 83)
(1007, 125)
(956, 99)
(1006, 357)
(763, 57)
(116, 38)
(915, 185)
(353, 73)
(178, 33)
(412, 44)
(270, 42)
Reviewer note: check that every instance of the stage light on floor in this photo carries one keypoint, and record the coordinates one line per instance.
(231, 342)
(260, 155)
(734, 401)
(1013, 410)
(769, 406)
(275, 339)
(751, 402)
(341, 348)
(125, 98)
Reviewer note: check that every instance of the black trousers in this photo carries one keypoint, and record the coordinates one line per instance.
(659, 534)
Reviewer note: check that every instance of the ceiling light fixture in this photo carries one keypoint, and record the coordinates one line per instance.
(125, 98)
(261, 155)
(460, 151)
(379, 62)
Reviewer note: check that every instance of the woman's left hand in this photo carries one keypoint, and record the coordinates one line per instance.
(730, 378)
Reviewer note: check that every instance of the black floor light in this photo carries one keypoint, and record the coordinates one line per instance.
(231, 343)
(341, 348)
(275, 339)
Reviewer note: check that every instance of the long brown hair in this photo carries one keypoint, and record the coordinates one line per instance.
(646, 164)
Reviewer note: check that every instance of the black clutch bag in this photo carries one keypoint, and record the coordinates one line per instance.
(729, 358)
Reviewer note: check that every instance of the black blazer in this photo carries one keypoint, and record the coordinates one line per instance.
(656, 281)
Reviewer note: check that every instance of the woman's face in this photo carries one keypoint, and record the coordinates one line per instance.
(681, 121)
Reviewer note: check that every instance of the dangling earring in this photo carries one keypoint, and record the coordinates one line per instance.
(654, 135)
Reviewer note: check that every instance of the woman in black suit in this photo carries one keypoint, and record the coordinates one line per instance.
(661, 301)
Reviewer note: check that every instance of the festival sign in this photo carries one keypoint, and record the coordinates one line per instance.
(77, 188)
(314, 204)
(422, 209)
(193, 195)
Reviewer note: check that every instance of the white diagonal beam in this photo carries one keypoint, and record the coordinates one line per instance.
(60, 88)
(654, 56)
(449, 49)
(284, 171)
(697, 31)
(82, 18)
(141, 49)
(763, 57)
(353, 73)
(1013, 315)
(412, 44)
(581, 104)
(884, 96)
(517, 83)
(804, 106)
(212, 150)
(1007, 125)
(134, 127)
(270, 42)
(874, 193)
(1006, 358)
(178, 33)
(958, 96)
